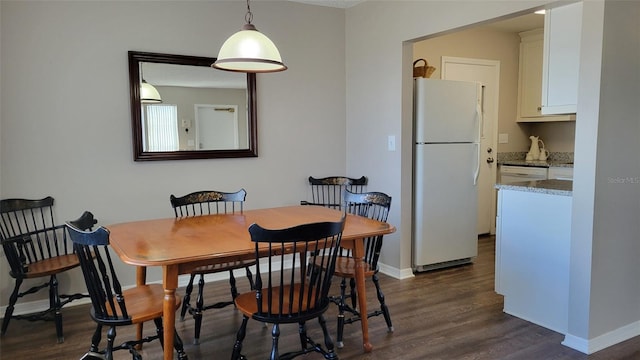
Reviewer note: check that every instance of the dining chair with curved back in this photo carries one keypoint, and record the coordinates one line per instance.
(111, 305)
(328, 191)
(372, 205)
(207, 203)
(36, 247)
(286, 294)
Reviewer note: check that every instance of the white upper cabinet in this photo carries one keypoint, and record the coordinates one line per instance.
(530, 79)
(561, 61)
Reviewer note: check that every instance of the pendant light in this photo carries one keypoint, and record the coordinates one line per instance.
(249, 51)
(148, 93)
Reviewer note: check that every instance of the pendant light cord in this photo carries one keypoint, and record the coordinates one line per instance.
(249, 15)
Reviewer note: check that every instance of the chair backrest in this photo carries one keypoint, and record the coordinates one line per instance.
(274, 279)
(372, 205)
(208, 202)
(92, 249)
(29, 233)
(328, 191)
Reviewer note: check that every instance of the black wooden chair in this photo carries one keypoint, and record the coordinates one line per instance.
(206, 203)
(36, 247)
(111, 306)
(373, 205)
(287, 295)
(328, 191)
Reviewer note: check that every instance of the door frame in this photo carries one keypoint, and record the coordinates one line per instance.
(496, 102)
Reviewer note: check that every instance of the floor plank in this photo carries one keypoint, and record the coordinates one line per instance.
(445, 314)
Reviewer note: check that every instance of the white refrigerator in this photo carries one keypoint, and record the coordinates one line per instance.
(447, 123)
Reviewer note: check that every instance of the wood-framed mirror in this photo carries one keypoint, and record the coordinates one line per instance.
(203, 112)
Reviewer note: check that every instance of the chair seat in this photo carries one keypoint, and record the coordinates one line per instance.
(145, 302)
(52, 265)
(214, 268)
(248, 305)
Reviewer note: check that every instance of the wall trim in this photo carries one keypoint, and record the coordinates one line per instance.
(603, 341)
(394, 272)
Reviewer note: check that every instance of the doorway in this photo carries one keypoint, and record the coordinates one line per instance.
(487, 73)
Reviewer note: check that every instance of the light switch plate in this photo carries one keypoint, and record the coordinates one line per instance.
(391, 143)
(503, 138)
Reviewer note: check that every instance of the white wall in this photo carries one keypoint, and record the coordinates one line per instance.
(65, 115)
(379, 62)
(605, 257)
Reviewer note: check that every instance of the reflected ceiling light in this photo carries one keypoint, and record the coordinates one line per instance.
(148, 93)
(540, 12)
(249, 51)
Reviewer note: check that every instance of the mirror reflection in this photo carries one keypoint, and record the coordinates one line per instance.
(184, 109)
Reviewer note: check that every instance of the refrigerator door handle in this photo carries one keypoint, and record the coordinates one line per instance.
(477, 171)
(480, 117)
(480, 111)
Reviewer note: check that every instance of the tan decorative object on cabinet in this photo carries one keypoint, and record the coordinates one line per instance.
(424, 71)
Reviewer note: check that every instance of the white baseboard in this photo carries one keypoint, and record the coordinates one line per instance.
(590, 346)
(394, 272)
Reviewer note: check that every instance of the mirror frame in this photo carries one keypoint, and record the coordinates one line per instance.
(137, 57)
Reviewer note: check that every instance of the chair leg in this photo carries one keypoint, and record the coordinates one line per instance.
(275, 336)
(95, 339)
(232, 283)
(187, 297)
(383, 305)
(8, 313)
(237, 347)
(197, 314)
(327, 339)
(352, 284)
(341, 306)
(111, 336)
(302, 331)
(178, 345)
(54, 302)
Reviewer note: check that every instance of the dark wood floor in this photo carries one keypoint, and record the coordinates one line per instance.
(446, 314)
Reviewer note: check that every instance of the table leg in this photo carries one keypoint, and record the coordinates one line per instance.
(358, 254)
(141, 279)
(170, 283)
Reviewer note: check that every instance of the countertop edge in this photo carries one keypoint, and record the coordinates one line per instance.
(550, 187)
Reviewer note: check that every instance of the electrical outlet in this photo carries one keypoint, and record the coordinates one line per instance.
(503, 138)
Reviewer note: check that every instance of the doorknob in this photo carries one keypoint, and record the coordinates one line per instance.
(490, 160)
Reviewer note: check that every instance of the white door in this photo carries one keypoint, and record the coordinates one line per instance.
(216, 127)
(487, 72)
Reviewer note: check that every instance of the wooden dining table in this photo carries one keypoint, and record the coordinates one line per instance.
(179, 245)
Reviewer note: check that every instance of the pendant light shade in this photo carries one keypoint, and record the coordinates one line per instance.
(249, 51)
(148, 93)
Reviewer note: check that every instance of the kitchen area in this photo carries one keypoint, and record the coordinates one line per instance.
(534, 137)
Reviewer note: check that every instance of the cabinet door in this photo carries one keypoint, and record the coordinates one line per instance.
(562, 31)
(530, 85)
(530, 80)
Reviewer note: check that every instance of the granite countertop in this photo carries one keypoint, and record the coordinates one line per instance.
(552, 187)
(536, 163)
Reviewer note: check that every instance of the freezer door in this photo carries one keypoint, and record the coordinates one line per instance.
(446, 111)
(445, 203)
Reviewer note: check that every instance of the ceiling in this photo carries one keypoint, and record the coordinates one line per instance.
(518, 24)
